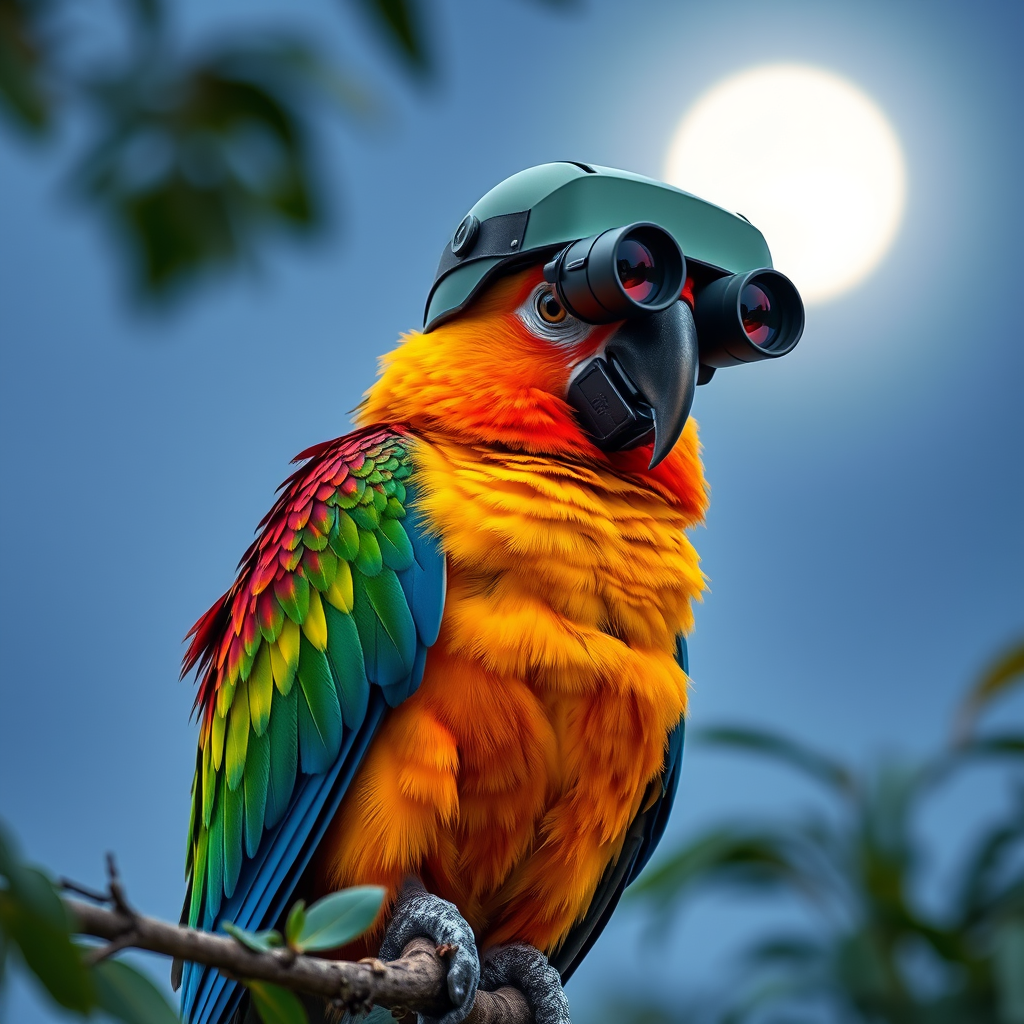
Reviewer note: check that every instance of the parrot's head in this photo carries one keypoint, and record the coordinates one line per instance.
(576, 309)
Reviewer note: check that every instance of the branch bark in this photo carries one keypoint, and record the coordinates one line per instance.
(414, 982)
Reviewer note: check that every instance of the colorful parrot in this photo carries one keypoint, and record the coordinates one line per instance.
(452, 663)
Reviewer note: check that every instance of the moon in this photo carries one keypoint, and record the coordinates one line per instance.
(809, 159)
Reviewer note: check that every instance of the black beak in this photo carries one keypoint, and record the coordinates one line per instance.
(658, 356)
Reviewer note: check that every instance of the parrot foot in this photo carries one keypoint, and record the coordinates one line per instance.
(527, 969)
(418, 913)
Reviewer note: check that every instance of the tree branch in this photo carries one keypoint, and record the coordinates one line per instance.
(414, 982)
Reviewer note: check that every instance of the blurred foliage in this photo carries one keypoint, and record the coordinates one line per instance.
(23, 93)
(400, 22)
(195, 157)
(276, 1005)
(192, 157)
(194, 162)
(34, 929)
(874, 950)
(1004, 672)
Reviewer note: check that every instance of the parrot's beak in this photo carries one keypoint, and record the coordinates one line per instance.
(658, 353)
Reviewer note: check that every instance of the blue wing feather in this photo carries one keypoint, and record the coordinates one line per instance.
(425, 582)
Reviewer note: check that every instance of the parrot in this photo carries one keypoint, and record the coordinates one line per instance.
(453, 662)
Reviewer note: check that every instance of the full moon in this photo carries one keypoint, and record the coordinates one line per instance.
(809, 159)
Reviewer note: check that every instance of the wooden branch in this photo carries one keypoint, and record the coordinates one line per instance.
(414, 982)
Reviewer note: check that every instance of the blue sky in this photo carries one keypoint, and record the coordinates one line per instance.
(864, 544)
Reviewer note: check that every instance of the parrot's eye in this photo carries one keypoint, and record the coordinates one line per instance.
(544, 316)
(549, 309)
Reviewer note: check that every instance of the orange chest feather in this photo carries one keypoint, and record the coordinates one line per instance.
(509, 779)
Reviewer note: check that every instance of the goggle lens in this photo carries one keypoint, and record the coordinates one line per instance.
(639, 273)
(760, 321)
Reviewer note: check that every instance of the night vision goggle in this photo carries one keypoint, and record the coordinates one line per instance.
(620, 247)
(640, 269)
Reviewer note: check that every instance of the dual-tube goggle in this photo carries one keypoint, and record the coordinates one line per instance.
(639, 269)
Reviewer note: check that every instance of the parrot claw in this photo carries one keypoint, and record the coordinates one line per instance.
(528, 970)
(418, 913)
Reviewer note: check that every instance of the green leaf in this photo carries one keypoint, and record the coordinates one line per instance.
(1009, 976)
(276, 1005)
(787, 949)
(48, 953)
(260, 942)
(757, 741)
(28, 886)
(984, 871)
(34, 890)
(3, 956)
(1001, 745)
(33, 918)
(969, 749)
(1003, 673)
(295, 923)
(401, 24)
(24, 58)
(10, 859)
(728, 857)
(339, 918)
(129, 996)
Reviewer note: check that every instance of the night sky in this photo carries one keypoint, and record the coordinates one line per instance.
(865, 543)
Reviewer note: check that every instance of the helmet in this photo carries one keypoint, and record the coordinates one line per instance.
(540, 210)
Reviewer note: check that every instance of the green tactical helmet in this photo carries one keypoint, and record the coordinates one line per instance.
(542, 209)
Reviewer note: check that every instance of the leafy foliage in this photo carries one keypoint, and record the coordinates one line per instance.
(329, 923)
(195, 160)
(339, 918)
(195, 157)
(258, 942)
(276, 1005)
(33, 921)
(877, 953)
(401, 24)
(23, 92)
(1004, 672)
(126, 995)
(295, 923)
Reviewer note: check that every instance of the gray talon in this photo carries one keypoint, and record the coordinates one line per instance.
(528, 970)
(418, 913)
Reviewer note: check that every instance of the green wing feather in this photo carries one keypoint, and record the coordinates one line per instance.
(284, 755)
(256, 782)
(345, 654)
(233, 813)
(385, 625)
(319, 711)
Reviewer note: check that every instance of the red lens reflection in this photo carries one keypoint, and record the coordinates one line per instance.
(639, 274)
(760, 321)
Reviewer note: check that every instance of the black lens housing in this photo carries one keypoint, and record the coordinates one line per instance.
(587, 280)
(723, 340)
